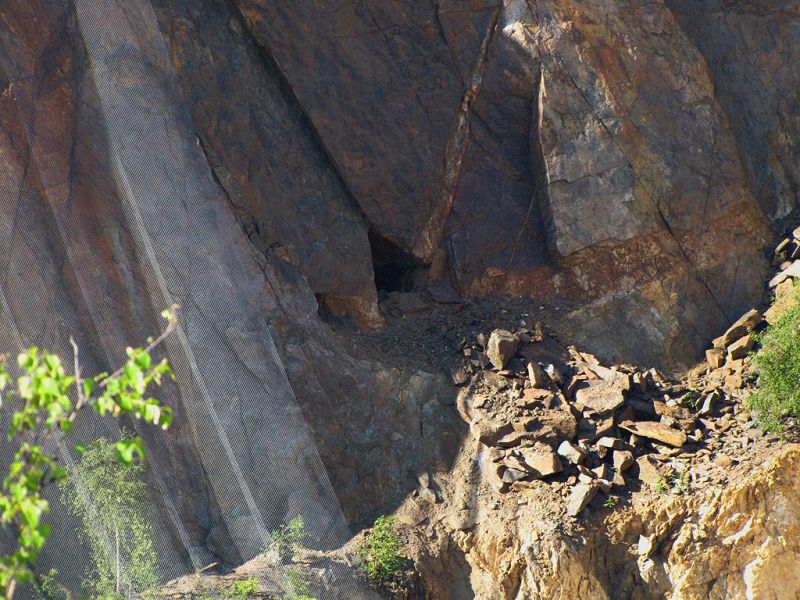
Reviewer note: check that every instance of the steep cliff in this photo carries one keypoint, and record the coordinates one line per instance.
(285, 169)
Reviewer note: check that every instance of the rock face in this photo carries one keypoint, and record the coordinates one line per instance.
(255, 161)
(749, 49)
(106, 223)
(556, 132)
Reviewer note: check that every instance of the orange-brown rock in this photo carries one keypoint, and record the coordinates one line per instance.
(656, 431)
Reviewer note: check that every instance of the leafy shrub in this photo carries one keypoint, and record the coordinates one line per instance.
(777, 365)
(245, 588)
(381, 549)
(288, 539)
(50, 589)
(679, 479)
(117, 515)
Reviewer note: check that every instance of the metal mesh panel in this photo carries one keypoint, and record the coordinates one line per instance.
(240, 442)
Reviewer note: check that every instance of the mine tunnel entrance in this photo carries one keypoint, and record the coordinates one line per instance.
(396, 270)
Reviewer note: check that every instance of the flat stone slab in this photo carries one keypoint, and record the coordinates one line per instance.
(598, 396)
(656, 431)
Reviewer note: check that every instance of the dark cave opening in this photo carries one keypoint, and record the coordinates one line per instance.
(396, 270)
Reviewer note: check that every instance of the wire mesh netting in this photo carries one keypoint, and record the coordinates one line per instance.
(239, 462)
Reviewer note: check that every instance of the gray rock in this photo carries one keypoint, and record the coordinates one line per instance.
(708, 404)
(511, 475)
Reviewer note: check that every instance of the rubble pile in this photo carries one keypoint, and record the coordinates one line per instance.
(547, 413)
(543, 412)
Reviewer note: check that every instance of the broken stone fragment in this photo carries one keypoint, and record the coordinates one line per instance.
(610, 443)
(733, 381)
(619, 479)
(560, 420)
(623, 459)
(554, 374)
(649, 471)
(516, 463)
(580, 497)
(590, 429)
(599, 397)
(602, 472)
(532, 397)
(495, 454)
(511, 475)
(708, 404)
(791, 271)
(502, 347)
(523, 425)
(715, 357)
(488, 432)
(672, 412)
(537, 376)
(744, 324)
(539, 433)
(656, 431)
(571, 452)
(495, 381)
(541, 459)
(617, 378)
(741, 347)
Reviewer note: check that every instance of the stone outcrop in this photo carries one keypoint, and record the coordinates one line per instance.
(732, 540)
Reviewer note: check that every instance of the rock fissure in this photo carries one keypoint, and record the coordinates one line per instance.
(456, 147)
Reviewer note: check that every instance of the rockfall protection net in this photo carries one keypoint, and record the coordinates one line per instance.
(239, 461)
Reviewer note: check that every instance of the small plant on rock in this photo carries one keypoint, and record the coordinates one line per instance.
(660, 485)
(297, 586)
(245, 588)
(610, 502)
(679, 479)
(381, 549)
(287, 540)
(777, 365)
